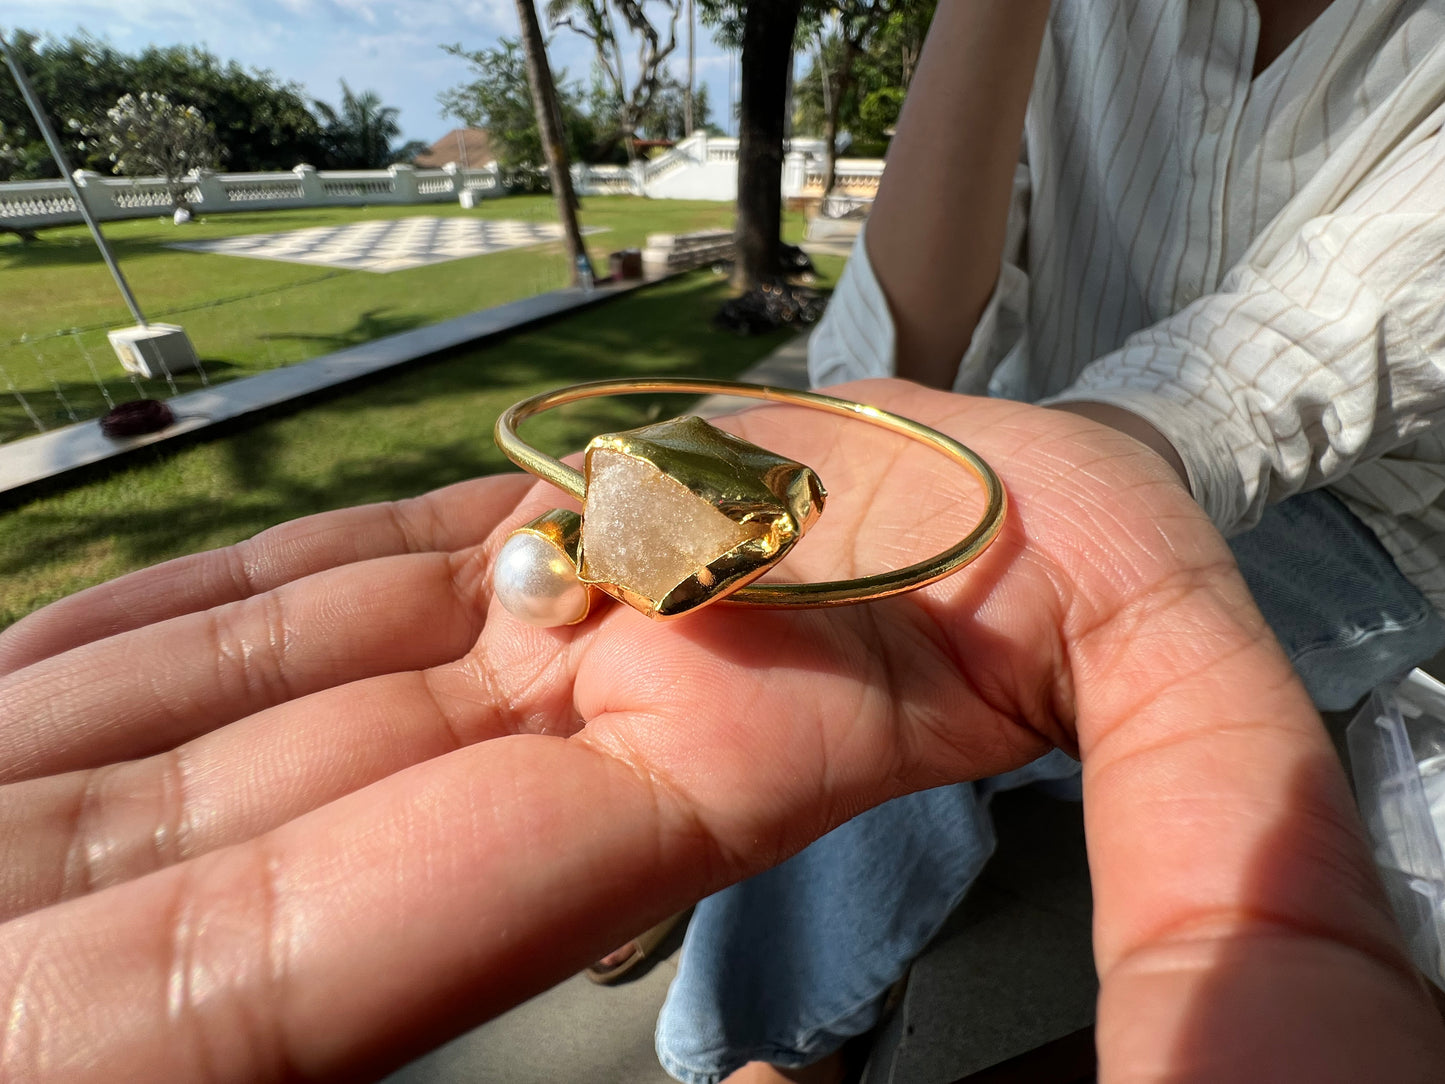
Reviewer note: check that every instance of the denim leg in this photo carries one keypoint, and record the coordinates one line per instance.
(787, 966)
(1345, 616)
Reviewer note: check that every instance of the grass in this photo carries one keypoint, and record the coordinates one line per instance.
(423, 428)
(247, 315)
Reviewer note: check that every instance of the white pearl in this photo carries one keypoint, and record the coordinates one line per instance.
(537, 583)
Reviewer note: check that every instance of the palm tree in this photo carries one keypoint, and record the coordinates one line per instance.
(359, 137)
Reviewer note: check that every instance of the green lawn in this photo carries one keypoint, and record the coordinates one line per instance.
(246, 315)
(420, 429)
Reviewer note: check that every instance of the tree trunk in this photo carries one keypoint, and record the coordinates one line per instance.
(691, 74)
(768, 27)
(549, 125)
(835, 108)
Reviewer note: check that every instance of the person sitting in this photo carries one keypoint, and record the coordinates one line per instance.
(1225, 239)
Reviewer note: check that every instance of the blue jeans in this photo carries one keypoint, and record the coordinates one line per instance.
(787, 966)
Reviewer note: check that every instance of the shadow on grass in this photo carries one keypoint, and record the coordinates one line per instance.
(421, 428)
(67, 248)
(146, 532)
(372, 324)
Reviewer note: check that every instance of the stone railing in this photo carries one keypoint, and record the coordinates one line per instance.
(252, 188)
(702, 148)
(605, 181)
(699, 167)
(853, 177)
(30, 205)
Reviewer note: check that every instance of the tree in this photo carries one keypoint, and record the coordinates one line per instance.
(867, 102)
(409, 150)
(596, 20)
(149, 135)
(688, 102)
(359, 135)
(667, 116)
(260, 122)
(499, 100)
(855, 21)
(14, 152)
(549, 123)
(79, 78)
(765, 29)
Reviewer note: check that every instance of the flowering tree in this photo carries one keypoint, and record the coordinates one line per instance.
(149, 135)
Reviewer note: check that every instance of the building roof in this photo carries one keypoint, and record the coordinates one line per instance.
(467, 147)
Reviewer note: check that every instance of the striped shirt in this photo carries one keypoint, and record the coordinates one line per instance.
(1254, 265)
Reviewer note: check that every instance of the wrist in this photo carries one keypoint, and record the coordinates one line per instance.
(1130, 424)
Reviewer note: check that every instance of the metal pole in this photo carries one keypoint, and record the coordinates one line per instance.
(13, 63)
(691, 74)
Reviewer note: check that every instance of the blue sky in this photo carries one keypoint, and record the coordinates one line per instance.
(390, 46)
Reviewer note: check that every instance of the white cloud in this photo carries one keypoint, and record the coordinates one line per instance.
(390, 46)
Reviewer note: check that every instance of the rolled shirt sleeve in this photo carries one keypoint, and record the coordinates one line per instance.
(1297, 371)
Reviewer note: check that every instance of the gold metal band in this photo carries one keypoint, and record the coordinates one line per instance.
(779, 595)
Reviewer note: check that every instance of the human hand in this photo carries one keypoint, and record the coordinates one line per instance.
(314, 818)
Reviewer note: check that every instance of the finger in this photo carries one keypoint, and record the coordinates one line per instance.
(447, 519)
(1241, 932)
(381, 923)
(75, 833)
(152, 688)
(68, 835)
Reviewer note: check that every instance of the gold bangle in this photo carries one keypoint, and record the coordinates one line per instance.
(719, 511)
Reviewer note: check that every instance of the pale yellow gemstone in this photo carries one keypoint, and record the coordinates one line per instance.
(646, 530)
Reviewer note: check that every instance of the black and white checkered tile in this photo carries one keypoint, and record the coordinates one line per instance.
(386, 245)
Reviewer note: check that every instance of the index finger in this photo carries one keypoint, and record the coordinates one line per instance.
(444, 520)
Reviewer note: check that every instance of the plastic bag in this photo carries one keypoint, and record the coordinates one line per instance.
(1397, 758)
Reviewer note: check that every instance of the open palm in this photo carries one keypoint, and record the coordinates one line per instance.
(312, 804)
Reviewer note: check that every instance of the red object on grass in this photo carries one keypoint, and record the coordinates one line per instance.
(136, 417)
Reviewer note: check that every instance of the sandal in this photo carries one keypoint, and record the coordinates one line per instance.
(639, 949)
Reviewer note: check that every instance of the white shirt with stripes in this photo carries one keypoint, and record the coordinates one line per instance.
(1255, 265)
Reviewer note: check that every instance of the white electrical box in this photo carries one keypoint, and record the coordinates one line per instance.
(154, 350)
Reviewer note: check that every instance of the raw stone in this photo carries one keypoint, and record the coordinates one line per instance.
(647, 531)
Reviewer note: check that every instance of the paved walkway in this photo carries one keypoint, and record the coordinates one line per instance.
(396, 244)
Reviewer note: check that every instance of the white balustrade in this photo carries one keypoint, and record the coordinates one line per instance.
(604, 181)
(431, 182)
(253, 188)
(856, 177)
(36, 201)
(29, 205)
(698, 167)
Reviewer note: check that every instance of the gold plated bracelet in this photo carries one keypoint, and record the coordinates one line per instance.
(680, 514)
